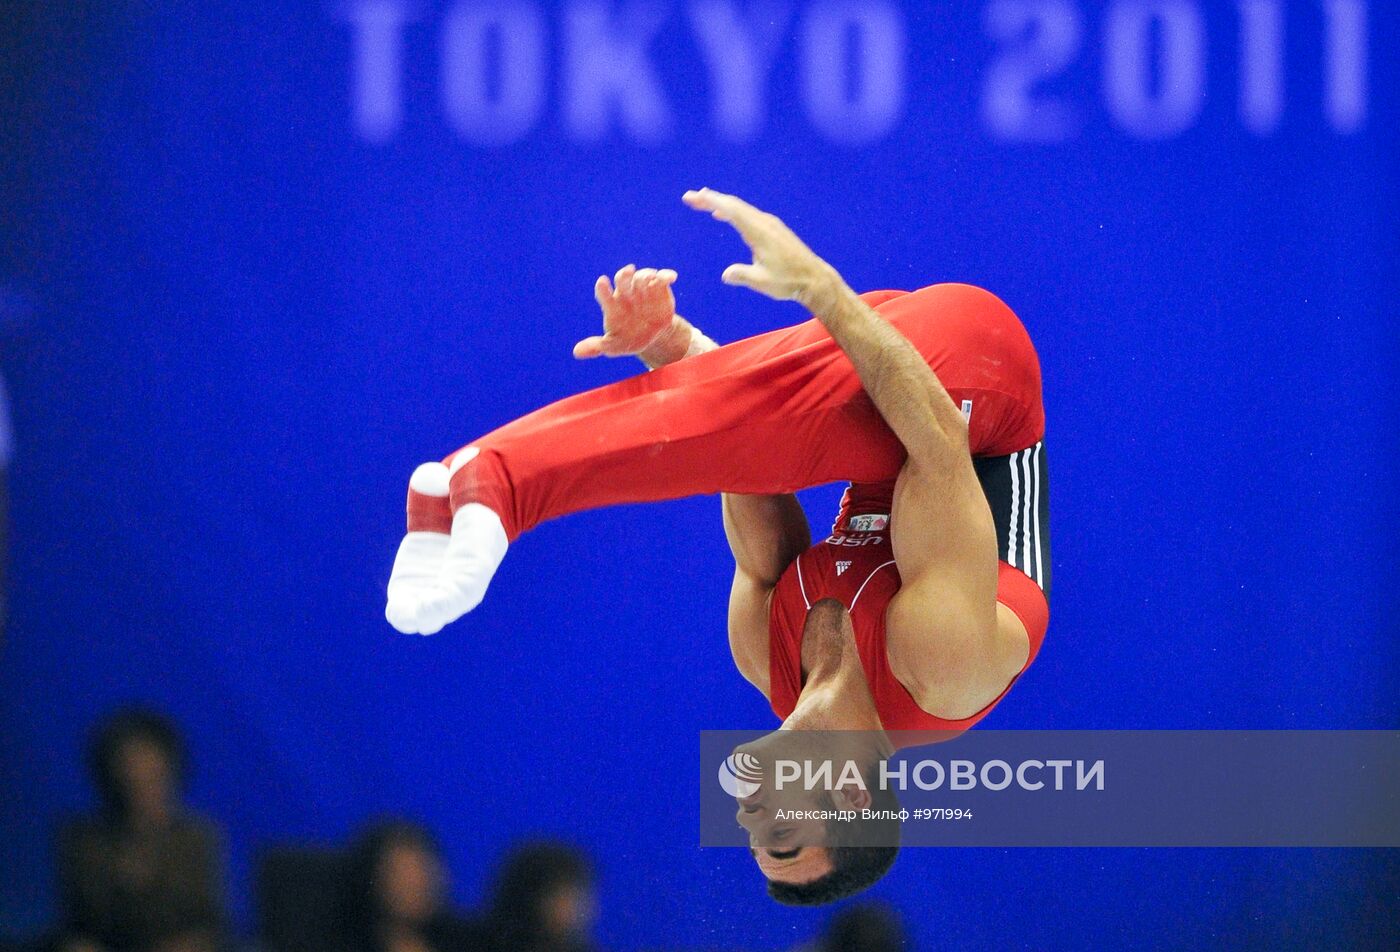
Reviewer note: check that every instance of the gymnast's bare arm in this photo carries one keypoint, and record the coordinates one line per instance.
(948, 641)
(765, 533)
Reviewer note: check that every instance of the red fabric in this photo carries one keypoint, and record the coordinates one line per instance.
(857, 569)
(770, 414)
(774, 413)
(428, 513)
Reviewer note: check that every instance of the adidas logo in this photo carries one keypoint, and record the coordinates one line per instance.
(842, 566)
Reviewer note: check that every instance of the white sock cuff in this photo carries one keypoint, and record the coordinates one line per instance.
(461, 458)
(477, 529)
(430, 479)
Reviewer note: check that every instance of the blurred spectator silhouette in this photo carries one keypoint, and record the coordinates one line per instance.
(144, 874)
(543, 900)
(302, 898)
(867, 927)
(397, 894)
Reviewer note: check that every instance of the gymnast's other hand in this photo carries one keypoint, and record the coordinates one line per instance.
(638, 309)
(783, 267)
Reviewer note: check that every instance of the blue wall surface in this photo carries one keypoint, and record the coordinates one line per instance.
(280, 254)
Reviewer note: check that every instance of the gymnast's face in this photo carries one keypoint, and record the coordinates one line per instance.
(788, 843)
(790, 823)
(789, 850)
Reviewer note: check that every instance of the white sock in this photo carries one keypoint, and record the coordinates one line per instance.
(474, 552)
(419, 559)
(416, 570)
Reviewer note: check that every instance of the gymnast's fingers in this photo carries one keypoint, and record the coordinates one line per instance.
(752, 276)
(723, 205)
(623, 280)
(589, 347)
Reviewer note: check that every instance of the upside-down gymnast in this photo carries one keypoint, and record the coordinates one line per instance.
(929, 597)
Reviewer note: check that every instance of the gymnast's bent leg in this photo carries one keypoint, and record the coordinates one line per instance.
(770, 414)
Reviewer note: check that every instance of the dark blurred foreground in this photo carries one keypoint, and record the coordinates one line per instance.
(144, 874)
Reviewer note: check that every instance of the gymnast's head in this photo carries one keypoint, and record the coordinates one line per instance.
(827, 833)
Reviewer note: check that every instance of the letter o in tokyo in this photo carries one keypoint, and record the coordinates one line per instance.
(863, 39)
(479, 113)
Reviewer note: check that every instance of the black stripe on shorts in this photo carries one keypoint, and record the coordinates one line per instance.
(1017, 489)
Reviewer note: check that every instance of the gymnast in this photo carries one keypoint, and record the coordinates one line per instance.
(929, 597)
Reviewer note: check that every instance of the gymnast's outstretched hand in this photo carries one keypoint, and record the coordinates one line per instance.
(783, 267)
(638, 309)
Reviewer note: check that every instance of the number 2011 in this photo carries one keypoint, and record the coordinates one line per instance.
(1154, 66)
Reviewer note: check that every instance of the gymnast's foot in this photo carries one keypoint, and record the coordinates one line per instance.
(446, 561)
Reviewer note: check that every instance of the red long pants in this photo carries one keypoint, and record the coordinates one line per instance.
(769, 414)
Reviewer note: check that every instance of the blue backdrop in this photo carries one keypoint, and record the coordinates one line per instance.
(282, 253)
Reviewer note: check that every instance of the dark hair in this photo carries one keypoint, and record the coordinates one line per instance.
(530, 873)
(867, 927)
(116, 730)
(854, 868)
(363, 908)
